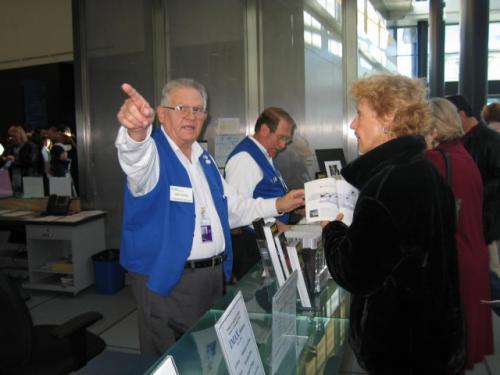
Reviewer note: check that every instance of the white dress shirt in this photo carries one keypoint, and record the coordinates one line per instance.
(243, 172)
(141, 163)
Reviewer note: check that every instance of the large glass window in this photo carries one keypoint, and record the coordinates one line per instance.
(494, 52)
(451, 52)
(375, 43)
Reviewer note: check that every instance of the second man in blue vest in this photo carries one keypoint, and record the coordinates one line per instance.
(251, 171)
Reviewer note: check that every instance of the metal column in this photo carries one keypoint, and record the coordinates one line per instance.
(473, 72)
(436, 31)
(422, 41)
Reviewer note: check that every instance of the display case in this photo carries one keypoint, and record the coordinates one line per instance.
(321, 331)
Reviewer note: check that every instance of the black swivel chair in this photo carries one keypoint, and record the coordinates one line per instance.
(42, 349)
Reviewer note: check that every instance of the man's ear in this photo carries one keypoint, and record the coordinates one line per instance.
(160, 112)
(265, 129)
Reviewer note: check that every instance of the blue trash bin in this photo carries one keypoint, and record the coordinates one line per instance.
(109, 274)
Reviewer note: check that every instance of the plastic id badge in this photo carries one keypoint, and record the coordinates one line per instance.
(206, 228)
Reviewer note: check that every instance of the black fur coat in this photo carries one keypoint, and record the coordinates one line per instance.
(398, 259)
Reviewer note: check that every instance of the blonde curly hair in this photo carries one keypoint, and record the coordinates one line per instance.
(400, 102)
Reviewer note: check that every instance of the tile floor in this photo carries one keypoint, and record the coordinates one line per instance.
(118, 327)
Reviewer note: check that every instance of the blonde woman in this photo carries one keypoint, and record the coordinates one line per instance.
(444, 142)
(398, 258)
(24, 157)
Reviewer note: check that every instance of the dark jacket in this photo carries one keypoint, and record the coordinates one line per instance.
(27, 160)
(483, 145)
(399, 261)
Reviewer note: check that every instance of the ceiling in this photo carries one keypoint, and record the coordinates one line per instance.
(393, 9)
(408, 12)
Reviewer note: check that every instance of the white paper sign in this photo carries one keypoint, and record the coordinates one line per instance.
(60, 186)
(223, 145)
(228, 125)
(238, 341)
(33, 187)
(167, 367)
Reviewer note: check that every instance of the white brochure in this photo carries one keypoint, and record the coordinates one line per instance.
(326, 197)
(237, 340)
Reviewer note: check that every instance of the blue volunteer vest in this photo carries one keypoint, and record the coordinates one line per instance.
(270, 186)
(157, 233)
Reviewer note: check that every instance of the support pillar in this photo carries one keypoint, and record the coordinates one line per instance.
(473, 70)
(436, 42)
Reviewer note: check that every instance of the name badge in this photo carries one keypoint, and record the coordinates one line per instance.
(181, 194)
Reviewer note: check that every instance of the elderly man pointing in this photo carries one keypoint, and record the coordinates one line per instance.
(178, 212)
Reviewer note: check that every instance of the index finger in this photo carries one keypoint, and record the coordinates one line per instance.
(133, 94)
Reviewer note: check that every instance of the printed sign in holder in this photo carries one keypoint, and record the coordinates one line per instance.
(237, 340)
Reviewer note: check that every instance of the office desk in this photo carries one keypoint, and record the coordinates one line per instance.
(59, 248)
(321, 332)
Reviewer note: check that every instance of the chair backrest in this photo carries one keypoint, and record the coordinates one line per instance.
(16, 325)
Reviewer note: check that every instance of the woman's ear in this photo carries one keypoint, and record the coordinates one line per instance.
(430, 139)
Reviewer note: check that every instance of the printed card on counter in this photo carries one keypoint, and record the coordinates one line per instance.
(237, 340)
(167, 367)
(327, 197)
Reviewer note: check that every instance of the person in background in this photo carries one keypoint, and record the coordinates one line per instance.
(443, 137)
(22, 156)
(491, 115)
(483, 144)
(398, 258)
(251, 171)
(45, 152)
(59, 162)
(177, 213)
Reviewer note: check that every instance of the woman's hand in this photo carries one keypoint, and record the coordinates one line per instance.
(324, 223)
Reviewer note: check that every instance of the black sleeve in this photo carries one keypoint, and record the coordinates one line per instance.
(360, 257)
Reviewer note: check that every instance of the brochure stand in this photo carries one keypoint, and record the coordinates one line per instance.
(279, 260)
(312, 262)
(284, 329)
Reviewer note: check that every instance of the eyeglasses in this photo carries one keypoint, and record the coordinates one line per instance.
(283, 138)
(185, 110)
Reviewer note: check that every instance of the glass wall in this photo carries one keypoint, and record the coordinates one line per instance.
(377, 48)
(494, 52)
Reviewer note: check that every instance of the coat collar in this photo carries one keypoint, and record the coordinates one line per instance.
(392, 152)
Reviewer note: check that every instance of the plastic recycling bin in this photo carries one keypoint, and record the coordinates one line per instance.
(109, 274)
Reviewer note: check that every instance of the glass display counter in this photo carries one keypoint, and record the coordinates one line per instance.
(321, 331)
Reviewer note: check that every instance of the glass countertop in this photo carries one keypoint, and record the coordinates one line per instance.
(320, 341)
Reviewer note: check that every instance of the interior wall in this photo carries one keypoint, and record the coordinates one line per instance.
(34, 32)
(105, 60)
(205, 41)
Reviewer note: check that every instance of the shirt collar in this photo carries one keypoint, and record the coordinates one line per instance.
(196, 149)
(262, 148)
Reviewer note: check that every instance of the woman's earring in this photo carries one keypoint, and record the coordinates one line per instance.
(385, 130)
